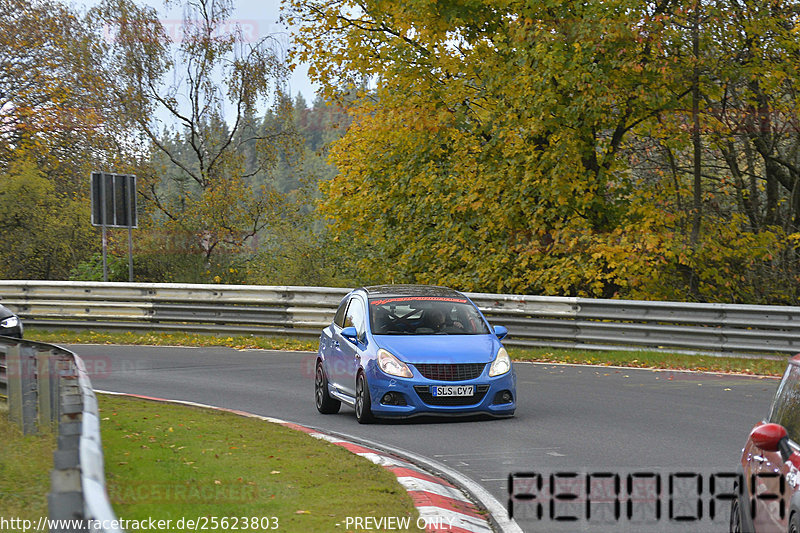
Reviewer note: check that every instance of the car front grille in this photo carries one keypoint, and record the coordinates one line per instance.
(450, 371)
(424, 393)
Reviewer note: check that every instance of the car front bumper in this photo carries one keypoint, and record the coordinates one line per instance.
(486, 399)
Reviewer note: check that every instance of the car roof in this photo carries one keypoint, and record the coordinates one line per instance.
(382, 291)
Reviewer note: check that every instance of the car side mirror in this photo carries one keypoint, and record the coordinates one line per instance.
(350, 333)
(772, 438)
(500, 331)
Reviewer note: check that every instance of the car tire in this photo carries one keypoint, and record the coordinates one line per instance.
(735, 525)
(363, 403)
(794, 523)
(737, 521)
(325, 404)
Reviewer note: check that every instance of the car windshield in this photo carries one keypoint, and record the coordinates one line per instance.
(425, 315)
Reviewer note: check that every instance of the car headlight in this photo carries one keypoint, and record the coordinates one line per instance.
(501, 363)
(10, 322)
(392, 365)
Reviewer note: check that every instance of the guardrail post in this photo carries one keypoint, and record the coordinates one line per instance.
(64, 401)
(21, 368)
(48, 390)
(3, 373)
(65, 500)
(14, 387)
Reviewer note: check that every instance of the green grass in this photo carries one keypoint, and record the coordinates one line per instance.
(240, 342)
(637, 359)
(170, 462)
(25, 464)
(645, 359)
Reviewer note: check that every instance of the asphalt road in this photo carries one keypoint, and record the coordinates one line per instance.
(583, 420)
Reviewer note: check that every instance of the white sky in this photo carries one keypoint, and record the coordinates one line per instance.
(257, 18)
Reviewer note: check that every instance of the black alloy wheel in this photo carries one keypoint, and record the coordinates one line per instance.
(736, 517)
(363, 403)
(325, 404)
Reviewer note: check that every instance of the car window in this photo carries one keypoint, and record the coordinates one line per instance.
(338, 319)
(428, 315)
(356, 316)
(786, 407)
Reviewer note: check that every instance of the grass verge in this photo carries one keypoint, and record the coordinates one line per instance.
(661, 360)
(25, 464)
(172, 462)
(637, 359)
(240, 342)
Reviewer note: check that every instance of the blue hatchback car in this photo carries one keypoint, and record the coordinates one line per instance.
(396, 351)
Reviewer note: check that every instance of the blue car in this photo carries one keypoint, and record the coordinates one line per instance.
(396, 351)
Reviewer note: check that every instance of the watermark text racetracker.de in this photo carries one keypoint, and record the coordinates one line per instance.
(228, 523)
(200, 523)
(97, 366)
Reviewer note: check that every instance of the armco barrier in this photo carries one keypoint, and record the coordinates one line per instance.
(302, 311)
(3, 373)
(47, 388)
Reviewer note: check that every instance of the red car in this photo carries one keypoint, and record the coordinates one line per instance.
(769, 493)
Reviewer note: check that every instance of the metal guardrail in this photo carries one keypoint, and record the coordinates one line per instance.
(303, 311)
(587, 323)
(3, 373)
(48, 389)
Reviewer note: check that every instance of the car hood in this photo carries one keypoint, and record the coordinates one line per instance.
(441, 348)
(5, 312)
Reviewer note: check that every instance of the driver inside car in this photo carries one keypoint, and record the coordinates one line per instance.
(436, 319)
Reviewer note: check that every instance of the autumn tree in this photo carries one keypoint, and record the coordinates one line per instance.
(487, 155)
(53, 106)
(57, 124)
(199, 123)
(747, 82)
(45, 233)
(756, 113)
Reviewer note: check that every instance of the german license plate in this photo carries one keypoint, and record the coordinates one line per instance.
(452, 390)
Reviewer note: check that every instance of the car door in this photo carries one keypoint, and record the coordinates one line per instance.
(347, 355)
(335, 359)
(772, 480)
(329, 342)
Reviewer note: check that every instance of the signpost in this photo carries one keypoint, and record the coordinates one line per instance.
(114, 205)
